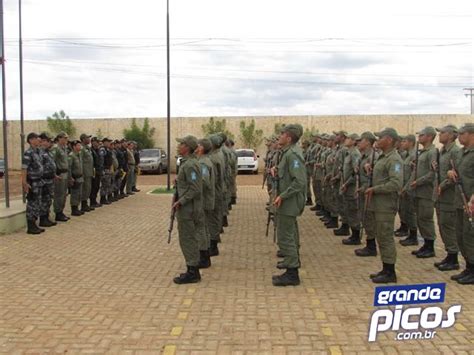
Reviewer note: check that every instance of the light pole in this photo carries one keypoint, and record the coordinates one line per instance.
(168, 119)
(471, 94)
(4, 106)
(22, 118)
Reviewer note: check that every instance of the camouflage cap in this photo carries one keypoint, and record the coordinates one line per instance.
(466, 128)
(409, 137)
(368, 135)
(45, 136)
(106, 139)
(325, 136)
(215, 140)
(448, 129)
(84, 136)
(429, 131)
(223, 136)
(391, 132)
(340, 133)
(295, 129)
(74, 142)
(190, 141)
(95, 139)
(331, 137)
(205, 143)
(354, 136)
(62, 135)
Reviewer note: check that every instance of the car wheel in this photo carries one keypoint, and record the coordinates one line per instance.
(160, 170)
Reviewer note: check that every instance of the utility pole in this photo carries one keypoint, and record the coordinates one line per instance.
(471, 94)
(4, 107)
(168, 120)
(22, 118)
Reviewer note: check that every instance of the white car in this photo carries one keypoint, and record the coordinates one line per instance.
(247, 160)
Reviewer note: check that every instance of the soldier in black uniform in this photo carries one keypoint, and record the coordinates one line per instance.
(106, 178)
(49, 175)
(32, 182)
(98, 172)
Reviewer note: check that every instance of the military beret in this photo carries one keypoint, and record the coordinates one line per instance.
(190, 141)
(430, 131)
(216, 140)
(354, 136)
(84, 136)
(409, 137)
(391, 132)
(466, 128)
(205, 143)
(295, 129)
(45, 135)
(369, 136)
(340, 133)
(448, 128)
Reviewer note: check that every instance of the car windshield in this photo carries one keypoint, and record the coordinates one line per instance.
(245, 153)
(149, 153)
(2, 163)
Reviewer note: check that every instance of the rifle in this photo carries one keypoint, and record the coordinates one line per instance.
(173, 213)
(438, 180)
(366, 200)
(458, 183)
(417, 155)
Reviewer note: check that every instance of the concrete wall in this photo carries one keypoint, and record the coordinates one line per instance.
(181, 126)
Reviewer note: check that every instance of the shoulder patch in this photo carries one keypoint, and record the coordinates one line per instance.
(296, 164)
(193, 176)
(398, 168)
(204, 170)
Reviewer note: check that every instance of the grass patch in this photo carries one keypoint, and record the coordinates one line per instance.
(162, 190)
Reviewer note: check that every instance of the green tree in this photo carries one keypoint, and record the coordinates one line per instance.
(143, 136)
(60, 122)
(277, 128)
(250, 136)
(215, 126)
(99, 134)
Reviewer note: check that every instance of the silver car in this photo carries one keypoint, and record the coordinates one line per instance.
(153, 160)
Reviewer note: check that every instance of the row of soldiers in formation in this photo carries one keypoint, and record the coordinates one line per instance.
(205, 190)
(364, 181)
(85, 168)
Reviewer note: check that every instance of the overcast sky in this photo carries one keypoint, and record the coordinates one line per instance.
(107, 58)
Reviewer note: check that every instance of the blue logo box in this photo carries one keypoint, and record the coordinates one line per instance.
(409, 294)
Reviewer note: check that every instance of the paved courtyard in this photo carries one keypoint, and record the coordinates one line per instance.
(102, 283)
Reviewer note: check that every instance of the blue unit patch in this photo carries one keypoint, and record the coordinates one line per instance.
(296, 164)
(398, 168)
(193, 176)
(204, 170)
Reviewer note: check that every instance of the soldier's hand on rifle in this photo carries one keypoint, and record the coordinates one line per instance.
(434, 165)
(273, 171)
(413, 184)
(26, 187)
(452, 175)
(57, 178)
(438, 190)
(176, 205)
(369, 192)
(277, 202)
(344, 188)
(368, 168)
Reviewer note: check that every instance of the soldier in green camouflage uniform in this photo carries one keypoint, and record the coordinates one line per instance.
(31, 178)
(49, 174)
(76, 177)
(309, 163)
(446, 210)
(60, 155)
(423, 185)
(383, 202)
(208, 201)
(321, 206)
(290, 202)
(227, 178)
(407, 197)
(233, 172)
(337, 180)
(367, 161)
(215, 221)
(88, 171)
(331, 220)
(189, 208)
(350, 171)
(463, 176)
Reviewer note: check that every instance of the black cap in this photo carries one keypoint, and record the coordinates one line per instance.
(31, 135)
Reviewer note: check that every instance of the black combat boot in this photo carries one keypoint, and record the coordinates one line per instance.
(412, 238)
(289, 278)
(111, 198)
(468, 278)
(354, 239)
(104, 201)
(75, 211)
(61, 217)
(94, 204)
(46, 222)
(32, 228)
(344, 230)
(213, 250)
(402, 231)
(450, 263)
(369, 250)
(85, 207)
(427, 252)
(192, 275)
(205, 259)
(321, 211)
(309, 201)
(314, 208)
(134, 189)
(225, 222)
(332, 223)
(387, 275)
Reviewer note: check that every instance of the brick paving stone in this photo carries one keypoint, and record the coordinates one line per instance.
(102, 284)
